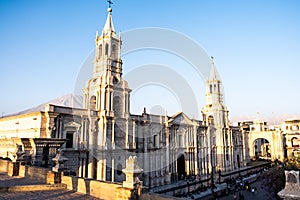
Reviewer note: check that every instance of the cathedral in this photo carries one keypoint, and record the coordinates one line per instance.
(167, 148)
(101, 136)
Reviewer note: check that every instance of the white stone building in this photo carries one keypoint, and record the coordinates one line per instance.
(168, 148)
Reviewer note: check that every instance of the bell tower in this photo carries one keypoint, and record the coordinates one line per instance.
(106, 91)
(108, 47)
(106, 97)
(215, 113)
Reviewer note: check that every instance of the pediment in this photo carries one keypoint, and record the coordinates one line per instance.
(72, 124)
(181, 119)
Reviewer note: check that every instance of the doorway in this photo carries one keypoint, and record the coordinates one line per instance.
(181, 167)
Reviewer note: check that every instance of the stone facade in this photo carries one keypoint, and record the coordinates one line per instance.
(167, 148)
(273, 142)
(291, 134)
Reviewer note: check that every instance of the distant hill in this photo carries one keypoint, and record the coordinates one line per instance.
(68, 100)
(272, 120)
(75, 101)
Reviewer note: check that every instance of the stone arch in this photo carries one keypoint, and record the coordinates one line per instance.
(295, 142)
(93, 103)
(275, 143)
(262, 148)
(210, 120)
(291, 178)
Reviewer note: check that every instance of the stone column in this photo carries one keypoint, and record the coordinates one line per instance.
(167, 153)
(113, 170)
(146, 154)
(126, 134)
(113, 134)
(133, 135)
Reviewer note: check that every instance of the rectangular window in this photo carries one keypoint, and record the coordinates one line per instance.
(154, 141)
(69, 137)
(180, 141)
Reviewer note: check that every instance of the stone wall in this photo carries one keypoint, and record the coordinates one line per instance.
(73, 162)
(99, 189)
(21, 126)
(36, 173)
(153, 196)
(4, 165)
(9, 146)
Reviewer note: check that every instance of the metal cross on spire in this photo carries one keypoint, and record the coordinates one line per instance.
(109, 3)
(212, 60)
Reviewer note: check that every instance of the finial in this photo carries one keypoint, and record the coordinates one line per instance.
(212, 60)
(109, 9)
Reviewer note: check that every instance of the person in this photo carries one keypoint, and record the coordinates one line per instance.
(234, 196)
(252, 190)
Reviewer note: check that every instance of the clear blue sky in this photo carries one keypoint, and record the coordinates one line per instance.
(255, 43)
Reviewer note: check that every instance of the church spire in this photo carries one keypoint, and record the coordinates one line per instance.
(214, 75)
(109, 26)
(214, 86)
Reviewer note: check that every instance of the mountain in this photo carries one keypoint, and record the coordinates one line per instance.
(272, 120)
(68, 100)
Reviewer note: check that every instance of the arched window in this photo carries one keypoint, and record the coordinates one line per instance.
(106, 49)
(210, 120)
(93, 102)
(210, 88)
(295, 142)
(291, 178)
(113, 51)
(100, 51)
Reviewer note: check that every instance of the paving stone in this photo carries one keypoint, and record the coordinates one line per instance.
(60, 194)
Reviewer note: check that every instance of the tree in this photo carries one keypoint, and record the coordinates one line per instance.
(273, 181)
(293, 164)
